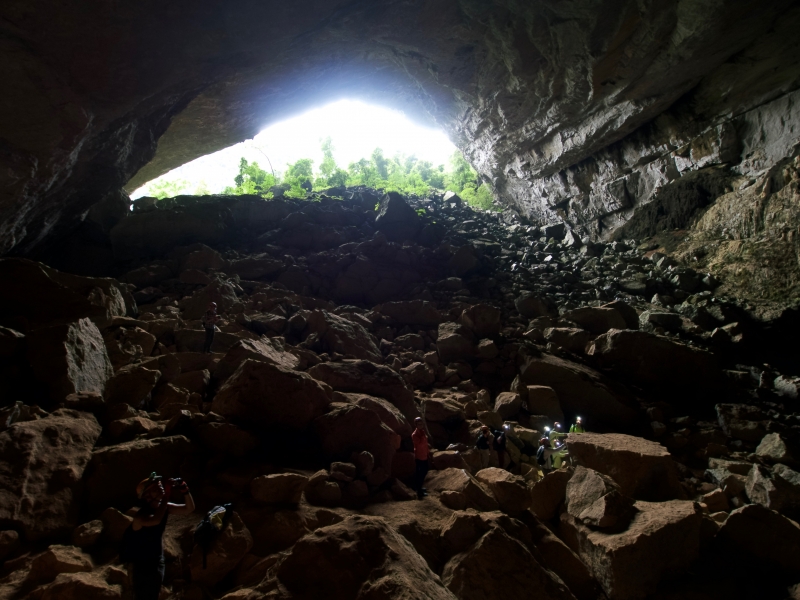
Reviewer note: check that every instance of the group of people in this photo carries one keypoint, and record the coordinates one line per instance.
(553, 448)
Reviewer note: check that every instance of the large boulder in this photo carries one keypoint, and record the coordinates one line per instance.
(482, 319)
(267, 350)
(549, 493)
(132, 384)
(34, 295)
(396, 219)
(595, 499)
(499, 566)
(350, 428)
(362, 558)
(510, 491)
(220, 291)
(227, 550)
(582, 390)
(655, 360)
(337, 334)
(765, 537)
(265, 395)
(532, 305)
(596, 319)
(454, 342)
(389, 414)
(81, 586)
(507, 405)
(69, 358)
(643, 469)
(543, 400)
(460, 481)
(114, 471)
(362, 376)
(41, 464)
(662, 539)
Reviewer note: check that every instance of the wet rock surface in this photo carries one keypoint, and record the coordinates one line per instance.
(302, 413)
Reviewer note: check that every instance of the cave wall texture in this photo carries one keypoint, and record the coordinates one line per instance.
(576, 110)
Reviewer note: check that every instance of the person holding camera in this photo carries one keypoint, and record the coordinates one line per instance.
(145, 545)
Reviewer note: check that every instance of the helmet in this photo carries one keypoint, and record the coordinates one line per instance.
(141, 488)
(577, 419)
(546, 428)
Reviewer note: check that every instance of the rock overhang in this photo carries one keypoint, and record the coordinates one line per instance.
(529, 92)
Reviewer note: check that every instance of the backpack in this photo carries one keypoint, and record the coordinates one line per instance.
(211, 526)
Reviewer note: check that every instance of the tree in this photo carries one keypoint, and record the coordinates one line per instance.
(165, 188)
(251, 179)
(461, 174)
(380, 163)
(328, 164)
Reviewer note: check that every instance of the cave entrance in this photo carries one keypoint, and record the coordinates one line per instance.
(347, 142)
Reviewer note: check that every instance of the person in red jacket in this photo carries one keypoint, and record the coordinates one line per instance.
(421, 455)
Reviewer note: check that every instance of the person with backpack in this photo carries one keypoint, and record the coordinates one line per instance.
(577, 427)
(143, 544)
(210, 319)
(484, 445)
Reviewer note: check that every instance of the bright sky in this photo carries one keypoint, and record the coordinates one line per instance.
(355, 128)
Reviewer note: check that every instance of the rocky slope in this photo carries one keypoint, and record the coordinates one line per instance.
(341, 325)
(577, 111)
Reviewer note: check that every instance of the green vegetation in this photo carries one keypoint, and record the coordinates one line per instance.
(400, 173)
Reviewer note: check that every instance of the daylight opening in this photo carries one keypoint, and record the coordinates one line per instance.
(346, 143)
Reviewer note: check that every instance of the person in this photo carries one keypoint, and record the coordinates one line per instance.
(148, 529)
(558, 454)
(577, 427)
(499, 445)
(210, 319)
(421, 456)
(542, 459)
(556, 433)
(484, 444)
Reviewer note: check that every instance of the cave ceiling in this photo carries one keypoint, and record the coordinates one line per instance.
(105, 95)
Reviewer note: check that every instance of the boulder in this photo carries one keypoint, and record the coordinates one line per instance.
(569, 338)
(396, 219)
(418, 375)
(114, 471)
(464, 260)
(643, 469)
(226, 439)
(265, 395)
(765, 537)
(69, 358)
(458, 480)
(531, 305)
(87, 534)
(778, 489)
(321, 492)
(582, 390)
(595, 499)
(654, 360)
(448, 459)
(549, 493)
(742, 422)
(596, 319)
(266, 350)
(774, 449)
(443, 410)
(662, 539)
(412, 312)
(9, 543)
(543, 400)
(81, 586)
(255, 267)
(220, 291)
(41, 464)
(361, 376)
(499, 566)
(131, 385)
(34, 295)
(12, 343)
(281, 488)
(507, 405)
(389, 414)
(350, 428)
(482, 319)
(360, 557)
(454, 342)
(510, 491)
(337, 334)
(228, 549)
(59, 559)
(126, 345)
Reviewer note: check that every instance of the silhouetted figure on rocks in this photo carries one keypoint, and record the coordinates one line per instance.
(143, 542)
(484, 445)
(210, 319)
(421, 456)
